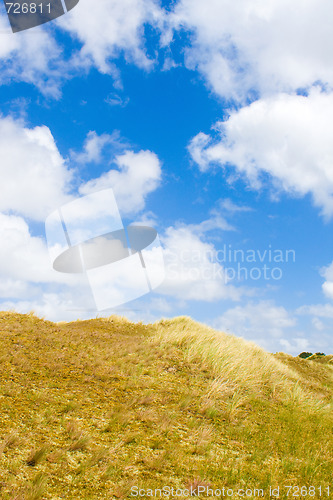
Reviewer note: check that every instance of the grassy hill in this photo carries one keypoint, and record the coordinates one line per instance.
(91, 409)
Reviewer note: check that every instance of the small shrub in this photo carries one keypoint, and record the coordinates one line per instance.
(36, 456)
(69, 407)
(80, 444)
(305, 355)
(194, 484)
(10, 441)
(37, 489)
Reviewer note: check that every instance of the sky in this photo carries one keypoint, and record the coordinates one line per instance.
(212, 122)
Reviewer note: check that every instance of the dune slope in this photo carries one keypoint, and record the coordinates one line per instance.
(91, 409)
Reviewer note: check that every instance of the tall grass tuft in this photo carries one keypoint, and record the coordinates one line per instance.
(237, 365)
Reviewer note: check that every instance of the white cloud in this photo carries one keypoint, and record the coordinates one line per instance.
(216, 221)
(31, 56)
(320, 330)
(327, 286)
(95, 144)
(51, 306)
(286, 137)
(92, 149)
(240, 48)
(34, 176)
(264, 323)
(109, 28)
(36, 181)
(60, 307)
(320, 310)
(245, 46)
(229, 206)
(138, 175)
(296, 346)
(105, 30)
(191, 273)
(22, 256)
(114, 99)
(255, 319)
(328, 289)
(318, 325)
(28, 281)
(148, 218)
(17, 288)
(24, 259)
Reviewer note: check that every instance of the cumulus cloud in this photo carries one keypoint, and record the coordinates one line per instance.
(114, 99)
(320, 330)
(92, 149)
(245, 47)
(27, 279)
(95, 146)
(25, 268)
(216, 221)
(296, 345)
(36, 180)
(318, 324)
(51, 306)
(138, 175)
(24, 258)
(25, 271)
(107, 29)
(34, 176)
(318, 310)
(241, 48)
(327, 286)
(191, 273)
(287, 137)
(264, 323)
(33, 57)
(230, 207)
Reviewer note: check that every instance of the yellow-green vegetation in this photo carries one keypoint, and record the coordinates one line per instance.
(90, 409)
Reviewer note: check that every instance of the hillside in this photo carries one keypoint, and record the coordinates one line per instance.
(90, 409)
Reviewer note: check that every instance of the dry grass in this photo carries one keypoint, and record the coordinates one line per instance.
(236, 362)
(89, 409)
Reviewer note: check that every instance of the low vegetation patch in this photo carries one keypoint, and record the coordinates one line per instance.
(91, 409)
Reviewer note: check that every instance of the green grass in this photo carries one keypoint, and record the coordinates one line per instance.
(91, 408)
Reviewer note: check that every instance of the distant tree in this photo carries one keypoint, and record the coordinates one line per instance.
(320, 354)
(305, 355)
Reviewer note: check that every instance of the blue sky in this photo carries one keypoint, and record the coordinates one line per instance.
(209, 125)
